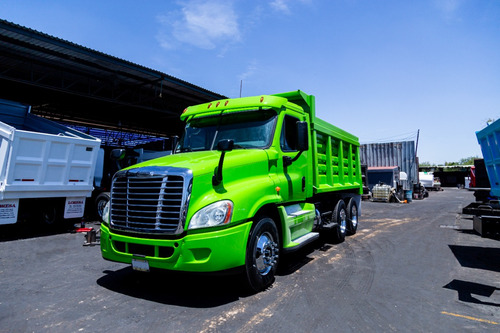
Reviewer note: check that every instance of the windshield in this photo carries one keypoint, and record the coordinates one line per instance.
(249, 129)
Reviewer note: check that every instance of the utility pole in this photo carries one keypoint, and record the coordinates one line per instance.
(416, 148)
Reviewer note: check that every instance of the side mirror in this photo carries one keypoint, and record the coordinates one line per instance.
(225, 145)
(175, 140)
(117, 154)
(302, 136)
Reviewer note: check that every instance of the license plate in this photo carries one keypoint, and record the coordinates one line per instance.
(140, 265)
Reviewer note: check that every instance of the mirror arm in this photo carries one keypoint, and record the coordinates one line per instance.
(217, 177)
(287, 160)
(223, 146)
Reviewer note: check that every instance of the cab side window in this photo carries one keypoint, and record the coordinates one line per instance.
(288, 140)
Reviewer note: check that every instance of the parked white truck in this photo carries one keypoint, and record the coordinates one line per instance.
(46, 169)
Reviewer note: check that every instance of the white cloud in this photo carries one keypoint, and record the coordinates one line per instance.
(283, 6)
(280, 6)
(250, 70)
(448, 7)
(203, 24)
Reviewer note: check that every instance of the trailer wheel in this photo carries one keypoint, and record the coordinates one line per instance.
(352, 217)
(100, 202)
(340, 217)
(262, 255)
(49, 215)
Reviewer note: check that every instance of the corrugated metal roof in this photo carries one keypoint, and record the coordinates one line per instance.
(57, 49)
(73, 83)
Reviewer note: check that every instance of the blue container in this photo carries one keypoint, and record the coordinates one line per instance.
(489, 140)
(409, 195)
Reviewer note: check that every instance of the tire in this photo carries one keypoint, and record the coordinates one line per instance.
(48, 211)
(100, 202)
(49, 215)
(352, 217)
(340, 216)
(262, 255)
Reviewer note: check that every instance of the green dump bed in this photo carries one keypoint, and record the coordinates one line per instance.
(335, 158)
(336, 164)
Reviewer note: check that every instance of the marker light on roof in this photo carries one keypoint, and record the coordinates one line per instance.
(209, 105)
(262, 99)
(225, 104)
(184, 111)
(217, 105)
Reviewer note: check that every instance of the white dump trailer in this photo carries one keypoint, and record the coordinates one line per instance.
(46, 169)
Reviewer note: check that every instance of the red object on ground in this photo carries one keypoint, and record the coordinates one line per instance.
(83, 229)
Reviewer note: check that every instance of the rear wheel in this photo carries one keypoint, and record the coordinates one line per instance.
(49, 215)
(50, 211)
(340, 217)
(262, 254)
(352, 217)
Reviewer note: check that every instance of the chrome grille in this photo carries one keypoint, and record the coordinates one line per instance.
(147, 201)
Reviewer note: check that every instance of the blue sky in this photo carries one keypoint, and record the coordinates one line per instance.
(379, 69)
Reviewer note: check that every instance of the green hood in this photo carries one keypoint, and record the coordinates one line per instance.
(200, 163)
(246, 173)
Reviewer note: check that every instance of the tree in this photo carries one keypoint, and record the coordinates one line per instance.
(463, 161)
(468, 160)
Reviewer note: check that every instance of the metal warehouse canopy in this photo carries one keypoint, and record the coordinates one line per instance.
(67, 82)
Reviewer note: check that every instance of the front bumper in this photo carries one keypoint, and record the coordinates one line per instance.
(210, 251)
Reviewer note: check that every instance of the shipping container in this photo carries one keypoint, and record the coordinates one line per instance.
(401, 154)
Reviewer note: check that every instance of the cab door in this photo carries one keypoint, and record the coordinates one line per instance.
(294, 174)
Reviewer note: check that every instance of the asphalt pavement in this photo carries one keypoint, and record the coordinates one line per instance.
(416, 267)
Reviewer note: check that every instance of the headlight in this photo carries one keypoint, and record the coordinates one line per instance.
(215, 214)
(105, 213)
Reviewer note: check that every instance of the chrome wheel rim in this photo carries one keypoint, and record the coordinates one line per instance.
(354, 217)
(343, 221)
(266, 253)
(100, 207)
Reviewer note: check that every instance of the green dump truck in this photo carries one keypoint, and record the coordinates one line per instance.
(251, 179)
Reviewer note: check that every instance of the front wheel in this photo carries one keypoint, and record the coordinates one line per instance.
(100, 202)
(262, 254)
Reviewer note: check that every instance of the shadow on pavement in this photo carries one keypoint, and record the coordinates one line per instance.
(292, 262)
(466, 289)
(174, 288)
(17, 231)
(468, 232)
(197, 290)
(477, 257)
